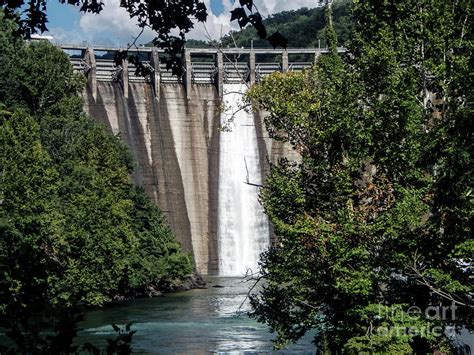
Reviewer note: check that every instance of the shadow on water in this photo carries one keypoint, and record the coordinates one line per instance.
(193, 322)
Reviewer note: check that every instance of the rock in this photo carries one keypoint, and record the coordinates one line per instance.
(198, 281)
(152, 292)
(192, 281)
(119, 299)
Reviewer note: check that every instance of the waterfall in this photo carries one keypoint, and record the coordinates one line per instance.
(242, 225)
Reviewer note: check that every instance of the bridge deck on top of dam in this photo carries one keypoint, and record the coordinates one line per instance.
(201, 65)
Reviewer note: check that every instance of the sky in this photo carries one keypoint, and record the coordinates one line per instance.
(114, 26)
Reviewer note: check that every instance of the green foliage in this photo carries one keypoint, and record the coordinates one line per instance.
(59, 338)
(74, 229)
(377, 215)
(159, 256)
(388, 329)
(196, 43)
(303, 28)
(8, 71)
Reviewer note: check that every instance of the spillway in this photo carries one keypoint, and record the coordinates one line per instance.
(243, 231)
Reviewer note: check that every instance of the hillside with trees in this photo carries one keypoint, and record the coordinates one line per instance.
(303, 28)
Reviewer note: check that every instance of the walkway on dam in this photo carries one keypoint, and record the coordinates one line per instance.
(201, 65)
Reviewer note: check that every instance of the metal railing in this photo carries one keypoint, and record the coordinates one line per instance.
(236, 72)
(202, 72)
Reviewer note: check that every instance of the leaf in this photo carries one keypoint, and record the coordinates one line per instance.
(237, 14)
(277, 39)
(127, 327)
(256, 20)
(115, 327)
(119, 57)
(201, 12)
(243, 21)
(240, 15)
(248, 3)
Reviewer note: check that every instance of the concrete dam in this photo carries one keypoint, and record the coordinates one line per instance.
(204, 178)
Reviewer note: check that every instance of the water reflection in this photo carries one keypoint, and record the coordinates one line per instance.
(194, 322)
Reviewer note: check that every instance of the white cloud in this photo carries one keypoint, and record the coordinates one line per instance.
(114, 26)
(63, 36)
(216, 25)
(272, 6)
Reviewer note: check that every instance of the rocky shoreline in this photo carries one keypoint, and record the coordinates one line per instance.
(190, 282)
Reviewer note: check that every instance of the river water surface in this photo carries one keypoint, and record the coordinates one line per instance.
(193, 322)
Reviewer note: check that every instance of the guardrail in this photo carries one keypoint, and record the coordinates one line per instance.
(201, 65)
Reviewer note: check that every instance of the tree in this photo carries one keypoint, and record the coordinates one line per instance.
(374, 225)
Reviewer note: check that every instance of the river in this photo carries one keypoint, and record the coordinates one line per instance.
(199, 321)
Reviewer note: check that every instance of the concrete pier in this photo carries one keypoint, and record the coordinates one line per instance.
(188, 75)
(220, 74)
(155, 79)
(91, 71)
(252, 65)
(124, 78)
(284, 61)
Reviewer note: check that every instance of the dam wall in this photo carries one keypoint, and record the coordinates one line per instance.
(175, 142)
(192, 168)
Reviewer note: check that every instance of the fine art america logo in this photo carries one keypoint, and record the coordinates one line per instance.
(415, 321)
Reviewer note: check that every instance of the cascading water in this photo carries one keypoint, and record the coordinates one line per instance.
(243, 227)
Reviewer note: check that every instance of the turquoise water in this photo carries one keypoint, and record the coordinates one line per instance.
(211, 320)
